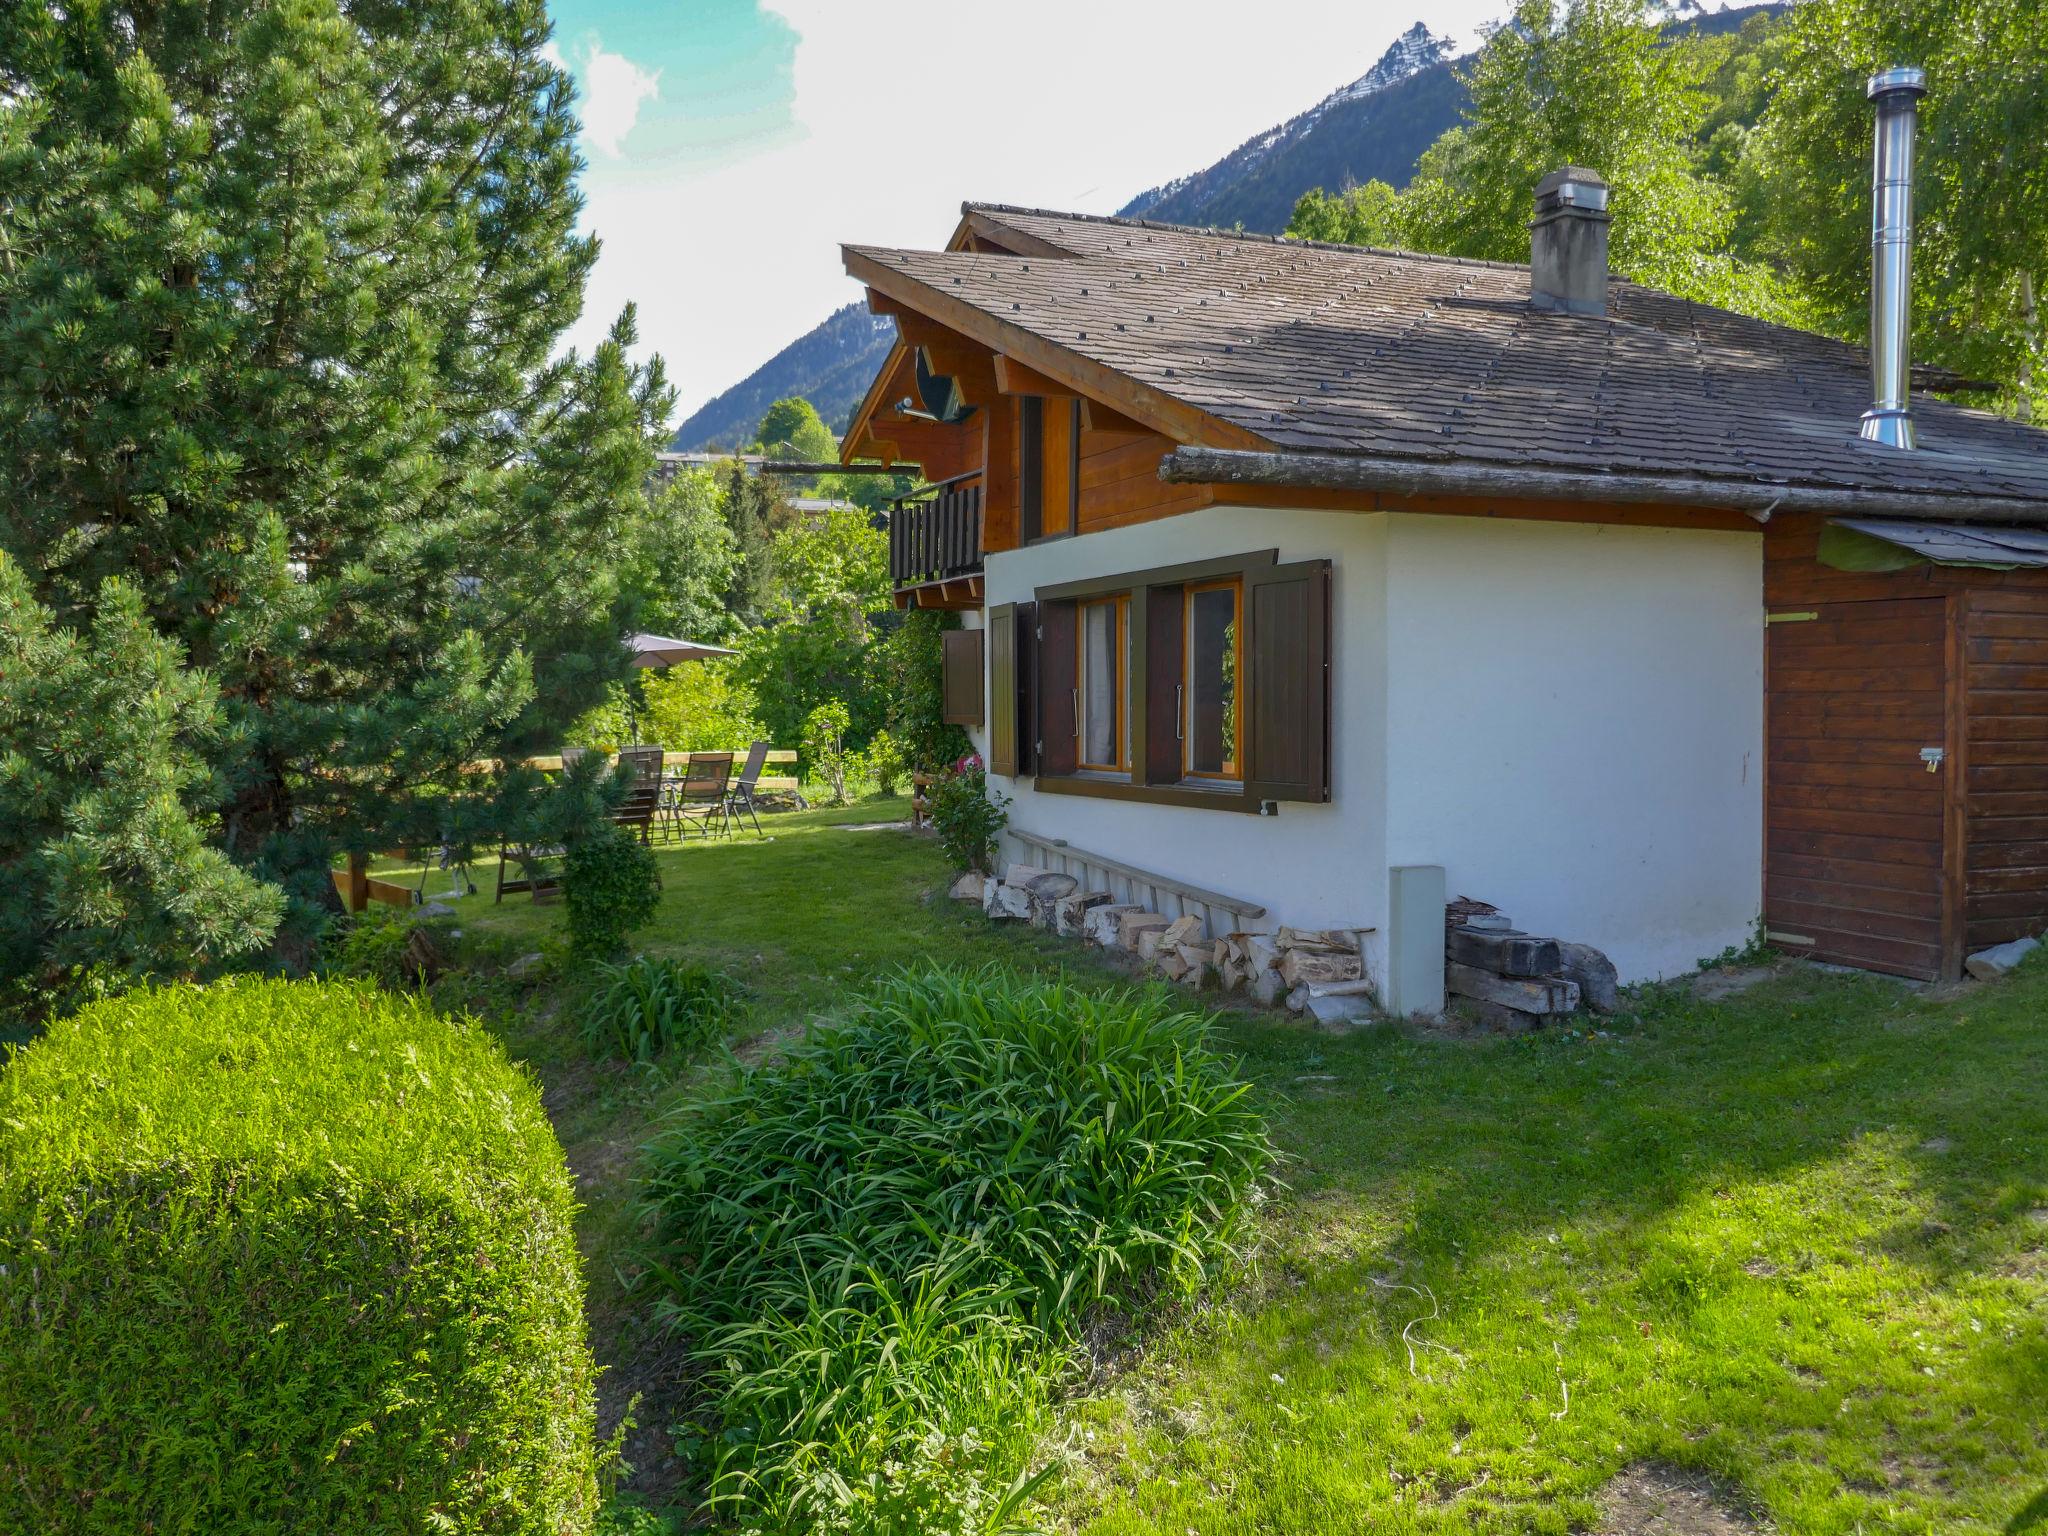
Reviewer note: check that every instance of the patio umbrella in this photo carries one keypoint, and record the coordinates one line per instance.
(661, 651)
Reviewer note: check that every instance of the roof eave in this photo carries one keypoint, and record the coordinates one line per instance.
(1427, 477)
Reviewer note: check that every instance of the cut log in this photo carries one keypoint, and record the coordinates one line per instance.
(1360, 988)
(1014, 901)
(1182, 930)
(1317, 940)
(1195, 975)
(989, 904)
(1301, 966)
(1505, 954)
(1170, 963)
(1070, 913)
(1135, 922)
(967, 887)
(1149, 940)
(1230, 975)
(1511, 1020)
(1544, 994)
(1104, 924)
(1050, 888)
(1261, 953)
(1265, 986)
(1024, 874)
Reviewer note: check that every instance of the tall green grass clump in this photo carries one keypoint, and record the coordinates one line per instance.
(885, 1245)
(285, 1256)
(652, 1005)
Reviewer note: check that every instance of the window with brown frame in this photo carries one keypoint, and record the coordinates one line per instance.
(1204, 684)
(1102, 685)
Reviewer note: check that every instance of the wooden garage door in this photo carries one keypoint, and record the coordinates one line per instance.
(1854, 821)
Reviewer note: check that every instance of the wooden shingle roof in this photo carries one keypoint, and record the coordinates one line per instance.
(1344, 350)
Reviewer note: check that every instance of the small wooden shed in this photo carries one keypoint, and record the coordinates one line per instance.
(1906, 701)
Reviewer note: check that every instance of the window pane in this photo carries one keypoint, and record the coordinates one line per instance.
(1212, 681)
(1099, 686)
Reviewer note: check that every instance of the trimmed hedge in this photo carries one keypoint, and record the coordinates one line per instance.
(282, 1257)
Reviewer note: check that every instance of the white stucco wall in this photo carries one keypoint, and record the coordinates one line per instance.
(1567, 717)
(1575, 728)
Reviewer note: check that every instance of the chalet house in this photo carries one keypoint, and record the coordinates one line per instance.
(1285, 567)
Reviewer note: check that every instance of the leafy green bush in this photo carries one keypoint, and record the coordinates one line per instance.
(285, 1256)
(969, 817)
(882, 764)
(825, 753)
(611, 886)
(650, 1006)
(913, 668)
(371, 946)
(884, 1244)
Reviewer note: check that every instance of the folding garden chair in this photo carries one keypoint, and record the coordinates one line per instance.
(700, 797)
(742, 795)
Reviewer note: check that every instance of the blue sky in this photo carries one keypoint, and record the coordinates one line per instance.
(734, 144)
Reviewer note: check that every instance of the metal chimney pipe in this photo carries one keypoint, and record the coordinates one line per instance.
(1897, 93)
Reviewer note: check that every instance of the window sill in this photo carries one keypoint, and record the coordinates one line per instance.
(1222, 797)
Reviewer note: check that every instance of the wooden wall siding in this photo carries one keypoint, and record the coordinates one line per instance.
(1120, 482)
(2005, 764)
(1854, 822)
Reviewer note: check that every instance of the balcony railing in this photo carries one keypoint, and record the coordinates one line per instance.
(939, 538)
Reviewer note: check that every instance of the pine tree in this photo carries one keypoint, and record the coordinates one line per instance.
(105, 802)
(282, 284)
(748, 506)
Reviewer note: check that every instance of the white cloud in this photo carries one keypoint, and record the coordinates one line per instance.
(908, 107)
(610, 90)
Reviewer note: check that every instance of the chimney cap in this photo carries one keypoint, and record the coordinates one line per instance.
(1902, 78)
(1572, 186)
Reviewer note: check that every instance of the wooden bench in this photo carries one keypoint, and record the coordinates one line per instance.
(779, 784)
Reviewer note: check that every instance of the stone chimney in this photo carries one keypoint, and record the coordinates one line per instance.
(1568, 243)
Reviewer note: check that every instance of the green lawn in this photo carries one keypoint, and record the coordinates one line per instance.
(1797, 1239)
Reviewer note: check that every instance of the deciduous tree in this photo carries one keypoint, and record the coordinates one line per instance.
(1981, 226)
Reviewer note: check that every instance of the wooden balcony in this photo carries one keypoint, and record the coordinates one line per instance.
(935, 546)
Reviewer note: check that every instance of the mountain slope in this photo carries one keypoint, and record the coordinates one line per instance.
(1376, 127)
(830, 366)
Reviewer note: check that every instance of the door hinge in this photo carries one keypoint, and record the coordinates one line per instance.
(1791, 618)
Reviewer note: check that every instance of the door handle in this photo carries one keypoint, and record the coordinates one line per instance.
(1180, 712)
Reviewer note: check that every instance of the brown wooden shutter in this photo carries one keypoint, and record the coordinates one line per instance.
(1027, 688)
(1164, 628)
(962, 703)
(1287, 647)
(1002, 689)
(1059, 747)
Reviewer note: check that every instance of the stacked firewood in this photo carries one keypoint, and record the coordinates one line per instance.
(1318, 971)
(1515, 979)
(1314, 971)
